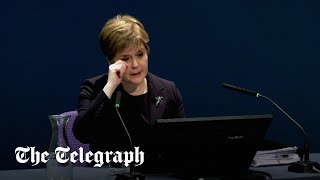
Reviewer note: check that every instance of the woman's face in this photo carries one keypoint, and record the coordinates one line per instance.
(137, 60)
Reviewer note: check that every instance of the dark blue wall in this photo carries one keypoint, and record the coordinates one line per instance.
(48, 47)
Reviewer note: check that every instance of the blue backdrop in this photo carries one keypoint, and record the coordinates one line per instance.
(48, 47)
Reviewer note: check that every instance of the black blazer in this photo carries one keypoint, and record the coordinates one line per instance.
(97, 122)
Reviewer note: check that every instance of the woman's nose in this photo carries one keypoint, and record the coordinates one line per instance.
(134, 63)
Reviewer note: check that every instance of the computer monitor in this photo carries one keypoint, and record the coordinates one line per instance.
(211, 146)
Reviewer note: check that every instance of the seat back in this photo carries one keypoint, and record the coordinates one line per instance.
(73, 142)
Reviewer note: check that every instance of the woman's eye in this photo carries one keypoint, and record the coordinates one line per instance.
(140, 54)
(125, 59)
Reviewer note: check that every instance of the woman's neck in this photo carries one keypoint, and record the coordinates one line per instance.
(136, 90)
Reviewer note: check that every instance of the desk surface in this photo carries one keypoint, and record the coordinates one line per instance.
(83, 173)
(281, 172)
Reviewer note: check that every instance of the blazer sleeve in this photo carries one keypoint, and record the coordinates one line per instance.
(93, 107)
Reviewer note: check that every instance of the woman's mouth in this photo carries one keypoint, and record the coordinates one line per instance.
(136, 74)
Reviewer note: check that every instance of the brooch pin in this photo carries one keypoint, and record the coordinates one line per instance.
(158, 100)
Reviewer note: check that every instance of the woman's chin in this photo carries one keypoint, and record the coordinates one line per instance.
(136, 81)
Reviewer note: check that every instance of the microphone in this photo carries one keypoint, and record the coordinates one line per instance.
(242, 90)
(118, 99)
(305, 165)
(132, 175)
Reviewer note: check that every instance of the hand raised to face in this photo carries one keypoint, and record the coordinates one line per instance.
(115, 74)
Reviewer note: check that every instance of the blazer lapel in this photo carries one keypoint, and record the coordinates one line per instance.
(156, 91)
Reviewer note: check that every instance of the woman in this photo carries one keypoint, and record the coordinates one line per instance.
(145, 97)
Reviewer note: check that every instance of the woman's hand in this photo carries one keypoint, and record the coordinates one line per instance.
(115, 74)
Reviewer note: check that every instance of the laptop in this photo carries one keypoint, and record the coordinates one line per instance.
(211, 146)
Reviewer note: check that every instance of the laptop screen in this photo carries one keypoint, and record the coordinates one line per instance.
(211, 146)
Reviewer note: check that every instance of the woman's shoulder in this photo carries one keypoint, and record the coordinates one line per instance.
(98, 78)
(93, 85)
(160, 81)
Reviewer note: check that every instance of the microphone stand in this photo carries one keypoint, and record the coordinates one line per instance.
(304, 165)
(132, 175)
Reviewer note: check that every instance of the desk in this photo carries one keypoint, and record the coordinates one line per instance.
(281, 172)
(83, 173)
